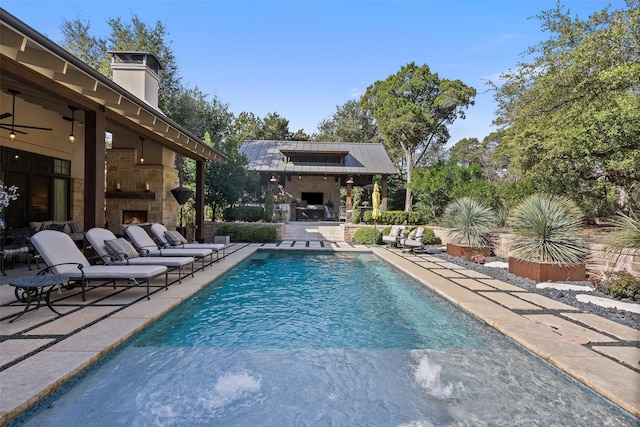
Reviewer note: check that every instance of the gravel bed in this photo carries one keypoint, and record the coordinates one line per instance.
(565, 296)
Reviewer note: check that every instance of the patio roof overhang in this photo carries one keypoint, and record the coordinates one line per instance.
(49, 76)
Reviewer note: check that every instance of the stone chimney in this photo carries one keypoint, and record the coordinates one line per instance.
(138, 73)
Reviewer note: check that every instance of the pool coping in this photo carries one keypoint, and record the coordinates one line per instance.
(41, 352)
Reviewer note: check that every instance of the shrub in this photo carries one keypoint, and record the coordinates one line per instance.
(620, 285)
(244, 213)
(546, 229)
(266, 234)
(365, 236)
(248, 233)
(469, 223)
(626, 233)
(394, 218)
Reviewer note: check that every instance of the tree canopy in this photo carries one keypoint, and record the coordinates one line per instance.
(571, 116)
(413, 109)
(350, 123)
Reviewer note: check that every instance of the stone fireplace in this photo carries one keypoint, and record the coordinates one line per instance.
(134, 217)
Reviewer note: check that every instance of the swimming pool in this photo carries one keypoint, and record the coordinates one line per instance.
(291, 338)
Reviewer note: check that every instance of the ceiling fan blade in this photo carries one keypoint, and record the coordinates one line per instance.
(5, 115)
(31, 127)
(14, 130)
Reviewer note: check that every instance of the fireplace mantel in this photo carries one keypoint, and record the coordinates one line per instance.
(147, 195)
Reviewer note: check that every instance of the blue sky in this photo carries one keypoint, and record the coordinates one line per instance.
(302, 58)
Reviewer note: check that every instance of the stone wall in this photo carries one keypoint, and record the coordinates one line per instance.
(124, 170)
(328, 186)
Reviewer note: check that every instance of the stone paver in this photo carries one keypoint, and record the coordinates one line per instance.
(503, 286)
(472, 284)
(510, 301)
(543, 301)
(626, 354)
(568, 329)
(605, 325)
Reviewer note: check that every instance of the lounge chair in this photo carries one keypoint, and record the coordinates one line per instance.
(62, 256)
(173, 239)
(118, 251)
(413, 242)
(395, 236)
(147, 246)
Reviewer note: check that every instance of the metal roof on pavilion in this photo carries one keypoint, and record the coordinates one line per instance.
(356, 158)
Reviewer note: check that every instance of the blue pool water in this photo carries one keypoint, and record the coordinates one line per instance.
(292, 338)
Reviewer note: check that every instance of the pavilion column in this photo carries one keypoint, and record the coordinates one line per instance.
(94, 169)
(200, 176)
(349, 184)
(384, 192)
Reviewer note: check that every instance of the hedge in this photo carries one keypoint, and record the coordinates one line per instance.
(394, 218)
(248, 233)
(244, 213)
(364, 236)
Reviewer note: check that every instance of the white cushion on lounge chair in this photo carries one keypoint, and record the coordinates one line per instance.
(98, 237)
(414, 242)
(145, 243)
(62, 255)
(160, 231)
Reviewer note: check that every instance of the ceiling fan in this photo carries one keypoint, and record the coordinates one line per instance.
(13, 126)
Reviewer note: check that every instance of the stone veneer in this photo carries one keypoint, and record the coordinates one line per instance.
(122, 167)
(313, 184)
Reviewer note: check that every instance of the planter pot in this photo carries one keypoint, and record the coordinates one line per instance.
(547, 271)
(467, 252)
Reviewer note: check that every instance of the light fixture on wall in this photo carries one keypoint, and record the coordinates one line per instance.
(72, 137)
(141, 150)
(273, 179)
(350, 180)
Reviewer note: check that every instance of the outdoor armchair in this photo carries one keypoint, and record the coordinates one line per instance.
(413, 242)
(395, 236)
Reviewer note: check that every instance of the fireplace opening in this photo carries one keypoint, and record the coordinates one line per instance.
(134, 217)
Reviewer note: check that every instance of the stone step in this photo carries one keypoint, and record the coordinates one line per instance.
(314, 231)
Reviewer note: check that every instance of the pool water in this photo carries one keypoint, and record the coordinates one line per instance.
(306, 339)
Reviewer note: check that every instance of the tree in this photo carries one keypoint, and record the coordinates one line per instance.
(571, 116)
(350, 123)
(275, 127)
(413, 108)
(91, 50)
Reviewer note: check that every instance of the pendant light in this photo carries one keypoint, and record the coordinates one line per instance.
(72, 137)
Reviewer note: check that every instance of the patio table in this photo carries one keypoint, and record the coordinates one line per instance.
(33, 287)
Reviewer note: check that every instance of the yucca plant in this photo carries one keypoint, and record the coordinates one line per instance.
(547, 229)
(469, 223)
(626, 233)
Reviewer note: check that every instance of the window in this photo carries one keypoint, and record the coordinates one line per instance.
(44, 185)
(335, 158)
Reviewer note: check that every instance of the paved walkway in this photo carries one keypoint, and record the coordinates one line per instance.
(41, 351)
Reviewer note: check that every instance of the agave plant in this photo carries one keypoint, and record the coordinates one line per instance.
(547, 229)
(469, 223)
(626, 233)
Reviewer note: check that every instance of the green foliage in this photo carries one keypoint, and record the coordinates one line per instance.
(435, 187)
(365, 236)
(269, 205)
(621, 285)
(350, 123)
(626, 233)
(244, 213)
(547, 229)
(393, 217)
(571, 116)
(248, 233)
(272, 127)
(413, 109)
(469, 223)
